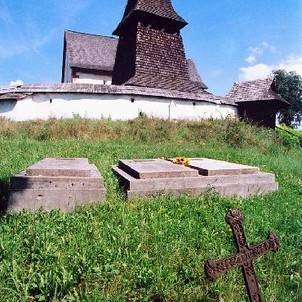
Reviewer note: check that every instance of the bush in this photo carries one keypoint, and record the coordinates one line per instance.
(289, 137)
(230, 132)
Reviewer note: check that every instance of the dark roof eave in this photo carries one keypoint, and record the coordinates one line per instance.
(123, 23)
(276, 101)
(91, 67)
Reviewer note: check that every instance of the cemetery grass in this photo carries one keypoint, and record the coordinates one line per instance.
(149, 249)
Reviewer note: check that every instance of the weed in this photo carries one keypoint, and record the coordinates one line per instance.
(149, 249)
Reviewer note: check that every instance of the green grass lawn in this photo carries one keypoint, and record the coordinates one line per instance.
(152, 249)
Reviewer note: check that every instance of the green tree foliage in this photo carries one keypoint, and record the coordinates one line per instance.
(289, 86)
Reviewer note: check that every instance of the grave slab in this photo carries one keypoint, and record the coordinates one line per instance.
(62, 167)
(211, 167)
(155, 168)
(233, 179)
(56, 184)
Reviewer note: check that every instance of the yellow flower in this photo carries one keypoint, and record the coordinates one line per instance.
(182, 161)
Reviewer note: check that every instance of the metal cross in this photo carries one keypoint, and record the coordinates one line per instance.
(244, 258)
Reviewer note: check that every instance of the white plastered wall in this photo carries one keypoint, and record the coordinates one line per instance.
(90, 78)
(116, 107)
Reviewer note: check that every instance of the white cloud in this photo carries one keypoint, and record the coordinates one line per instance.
(251, 59)
(292, 63)
(261, 70)
(16, 83)
(254, 72)
(255, 53)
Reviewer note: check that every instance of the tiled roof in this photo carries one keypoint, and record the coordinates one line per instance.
(90, 51)
(161, 8)
(114, 90)
(194, 75)
(14, 96)
(257, 90)
(98, 53)
(167, 83)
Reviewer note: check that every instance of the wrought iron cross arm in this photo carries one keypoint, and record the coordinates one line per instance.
(271, 244)
(215, 268)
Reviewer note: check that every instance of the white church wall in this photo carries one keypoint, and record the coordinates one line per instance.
(115, 107)
(90, 78)
(182, 110)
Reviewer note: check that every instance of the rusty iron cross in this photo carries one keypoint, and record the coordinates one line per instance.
(244, 258)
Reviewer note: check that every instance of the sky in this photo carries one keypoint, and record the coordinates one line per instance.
(229, 40)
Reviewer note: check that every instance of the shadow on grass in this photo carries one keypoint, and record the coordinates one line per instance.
(4, 186)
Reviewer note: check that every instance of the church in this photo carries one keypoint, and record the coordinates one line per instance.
(143, 69)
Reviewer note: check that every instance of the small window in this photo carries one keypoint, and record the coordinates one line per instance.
(132, 100)
(50, 101)
(194, 103)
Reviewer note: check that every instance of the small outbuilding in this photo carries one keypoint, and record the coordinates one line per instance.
(258, 101)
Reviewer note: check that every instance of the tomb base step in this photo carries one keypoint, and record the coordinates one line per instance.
(243, 190)
(23, 182)
(51, 199)
(134, 184)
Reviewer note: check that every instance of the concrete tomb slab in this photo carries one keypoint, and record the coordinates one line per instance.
(141, 178)
(56, 183)
(155, 168)
(62, 167)
(211, 167)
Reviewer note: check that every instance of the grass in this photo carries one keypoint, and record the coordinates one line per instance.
(152, 249)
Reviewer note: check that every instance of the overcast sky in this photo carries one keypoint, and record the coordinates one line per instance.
(229, 40)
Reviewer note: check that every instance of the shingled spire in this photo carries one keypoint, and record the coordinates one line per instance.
(150, 52)
(148, 9)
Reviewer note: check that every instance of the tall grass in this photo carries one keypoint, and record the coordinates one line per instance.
(231, 131)
(148, 249)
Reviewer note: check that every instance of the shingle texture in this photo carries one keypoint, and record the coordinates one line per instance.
(5, 92)
(14, 96)
(90, 51)
(99, 52)
(161, 82)
(151, 53)
(194, 75)
(160, 8)
(257, 90)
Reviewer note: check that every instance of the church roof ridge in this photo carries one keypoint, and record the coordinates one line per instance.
(89, 34)
(268, 79)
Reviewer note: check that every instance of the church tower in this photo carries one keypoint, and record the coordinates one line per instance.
(150, 52)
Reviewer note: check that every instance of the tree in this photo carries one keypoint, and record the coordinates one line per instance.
(289, 86)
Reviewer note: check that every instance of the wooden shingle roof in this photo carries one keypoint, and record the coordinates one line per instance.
(253, 91)
(96, 52)
(194, 74)
(160, 8)
(169, 83)
(90, 51)
(202, 96)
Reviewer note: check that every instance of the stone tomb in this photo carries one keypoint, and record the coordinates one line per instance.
(152, 176)
(56, 184)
